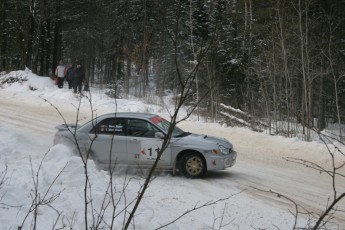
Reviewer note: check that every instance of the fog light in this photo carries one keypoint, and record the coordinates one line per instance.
(227, 162)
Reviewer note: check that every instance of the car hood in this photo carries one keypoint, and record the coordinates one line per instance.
(197, 139)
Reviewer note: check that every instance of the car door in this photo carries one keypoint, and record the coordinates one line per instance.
(110, 142)
(142, 145)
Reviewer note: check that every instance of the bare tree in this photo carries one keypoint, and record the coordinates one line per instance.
(337, 78)
(41, 198)
(185, 83)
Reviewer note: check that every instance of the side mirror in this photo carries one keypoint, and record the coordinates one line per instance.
(159, 135)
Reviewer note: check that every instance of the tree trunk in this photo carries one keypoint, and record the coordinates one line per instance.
(305, 75)
(57, 50)
(28, 59)
(321, 121)
(128, 74)
(3, 37)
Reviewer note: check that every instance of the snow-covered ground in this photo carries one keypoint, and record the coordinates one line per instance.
(27, 121)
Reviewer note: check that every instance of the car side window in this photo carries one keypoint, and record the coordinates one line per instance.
(140, 128)
(111, 126)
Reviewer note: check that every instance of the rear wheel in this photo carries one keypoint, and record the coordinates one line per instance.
(94, 157)
(193, 165)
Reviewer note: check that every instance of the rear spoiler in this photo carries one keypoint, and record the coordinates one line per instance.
(67, 126)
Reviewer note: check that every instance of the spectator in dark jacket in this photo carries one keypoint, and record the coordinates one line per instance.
(79, 76)
(70, 76)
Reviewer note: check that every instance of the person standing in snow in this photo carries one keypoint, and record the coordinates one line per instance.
(79, 76)
(60, 73)
(70, 76)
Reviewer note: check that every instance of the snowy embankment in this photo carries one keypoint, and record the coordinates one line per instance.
(27, 131)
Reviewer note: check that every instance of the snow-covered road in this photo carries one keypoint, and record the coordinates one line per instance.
(260, 166)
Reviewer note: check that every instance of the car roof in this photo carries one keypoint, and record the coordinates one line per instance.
(128, 115)
(145, 116)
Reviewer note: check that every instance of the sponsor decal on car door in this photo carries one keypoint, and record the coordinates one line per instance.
(110, 142)
(142, 145)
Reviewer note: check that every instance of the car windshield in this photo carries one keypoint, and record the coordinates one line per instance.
(164, 125)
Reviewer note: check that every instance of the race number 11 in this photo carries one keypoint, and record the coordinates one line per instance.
(150, 149)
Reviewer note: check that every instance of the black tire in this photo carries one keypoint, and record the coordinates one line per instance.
(193, 165)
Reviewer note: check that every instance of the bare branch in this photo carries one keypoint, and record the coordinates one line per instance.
(196, 207)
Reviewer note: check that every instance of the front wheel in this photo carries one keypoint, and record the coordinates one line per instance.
(193, 165)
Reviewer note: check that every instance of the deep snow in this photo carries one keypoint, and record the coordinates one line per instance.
(26, 139)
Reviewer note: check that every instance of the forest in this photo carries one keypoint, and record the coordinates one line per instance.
(275, 64)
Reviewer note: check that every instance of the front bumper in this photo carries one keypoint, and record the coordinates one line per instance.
(220, 162)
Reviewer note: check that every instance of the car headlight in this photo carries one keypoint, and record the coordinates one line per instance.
(223, 150)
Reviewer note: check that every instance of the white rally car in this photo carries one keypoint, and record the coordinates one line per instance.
(134, 139)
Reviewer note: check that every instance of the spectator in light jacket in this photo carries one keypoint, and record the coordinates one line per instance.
(60, 73)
